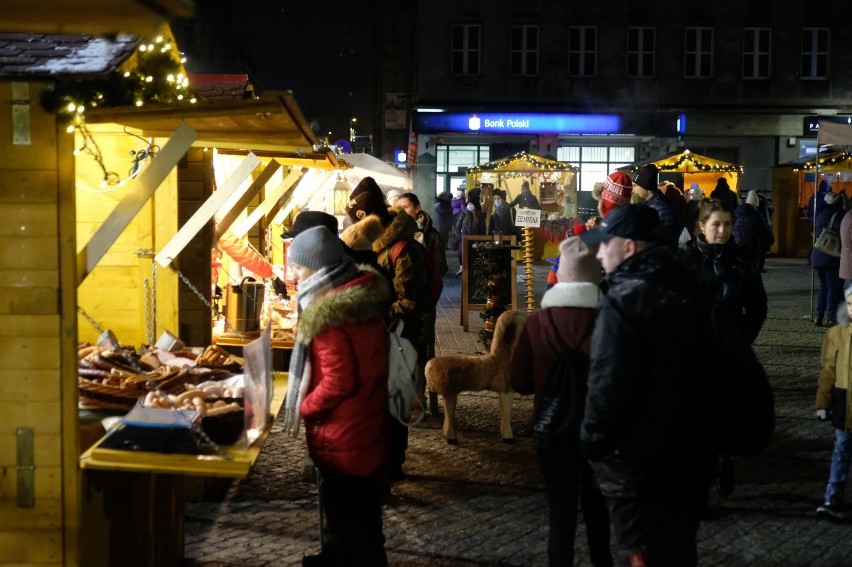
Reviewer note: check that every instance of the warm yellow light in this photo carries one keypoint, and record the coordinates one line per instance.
(143, 48)
(170, 78)
(183, 59)
(149, 79)
(159, 39)
(139, 103)
(70, 128)
(72, 107)
(76, 152)
(150, 47)
(180, 97)
(167, 46)
(127, 73)
(192, 100)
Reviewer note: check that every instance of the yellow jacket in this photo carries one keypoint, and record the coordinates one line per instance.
(835, 370)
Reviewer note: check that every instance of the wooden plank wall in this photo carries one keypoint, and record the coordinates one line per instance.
(115, 294)
(195, 185)
(37, 337)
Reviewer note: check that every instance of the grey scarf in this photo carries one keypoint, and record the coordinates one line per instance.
(299, 377)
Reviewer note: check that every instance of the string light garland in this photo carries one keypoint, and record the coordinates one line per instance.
(156, 78)
(688, 156)
(539, 164)
(828, 161)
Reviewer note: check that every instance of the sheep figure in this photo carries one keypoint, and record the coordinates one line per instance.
(449, 375)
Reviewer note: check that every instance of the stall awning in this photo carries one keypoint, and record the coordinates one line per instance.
(830, 161)
(273, 123)
(523, 161)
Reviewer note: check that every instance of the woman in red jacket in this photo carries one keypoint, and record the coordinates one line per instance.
(338, 382)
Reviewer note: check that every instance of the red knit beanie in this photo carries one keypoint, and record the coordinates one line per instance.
(617, 190)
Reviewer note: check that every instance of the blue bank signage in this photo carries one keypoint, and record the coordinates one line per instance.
(516, 123)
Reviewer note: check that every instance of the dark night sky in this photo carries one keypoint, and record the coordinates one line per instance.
(320, 51)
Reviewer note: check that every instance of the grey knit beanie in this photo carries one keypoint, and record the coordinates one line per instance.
(315, 248)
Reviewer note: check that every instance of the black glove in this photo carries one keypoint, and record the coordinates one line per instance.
(280, 287)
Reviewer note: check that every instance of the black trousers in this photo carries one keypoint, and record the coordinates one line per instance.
(567, 477)
(354, 516)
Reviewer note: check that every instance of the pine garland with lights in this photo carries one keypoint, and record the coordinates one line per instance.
(157, 78)
(498, 290)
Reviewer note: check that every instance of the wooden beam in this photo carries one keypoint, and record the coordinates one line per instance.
(285, 188)
(240, 205)
(141, 190)
(203, 215)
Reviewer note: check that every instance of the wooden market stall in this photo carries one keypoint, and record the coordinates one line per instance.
(691, 168)
(793, 184)
(554, 183)
(40, 491)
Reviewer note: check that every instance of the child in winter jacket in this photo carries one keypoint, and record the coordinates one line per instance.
(832, 403)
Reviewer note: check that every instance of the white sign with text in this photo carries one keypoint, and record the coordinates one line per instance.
(528, 217)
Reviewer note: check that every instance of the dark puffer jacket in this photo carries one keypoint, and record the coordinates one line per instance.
(736, 284)
(751, 232)
(668, 217)
(642, 421)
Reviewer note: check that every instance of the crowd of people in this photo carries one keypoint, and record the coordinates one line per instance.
(633, 454)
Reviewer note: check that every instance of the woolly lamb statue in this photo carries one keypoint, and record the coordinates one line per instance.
(449, 375)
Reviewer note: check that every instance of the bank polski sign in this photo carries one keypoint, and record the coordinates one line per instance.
(528, 217)
(517, 123)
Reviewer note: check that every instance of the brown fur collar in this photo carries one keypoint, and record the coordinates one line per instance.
(401, 227)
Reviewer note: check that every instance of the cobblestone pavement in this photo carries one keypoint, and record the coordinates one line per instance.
(481, 502)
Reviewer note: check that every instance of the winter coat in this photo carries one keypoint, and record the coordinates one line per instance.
(821, 260)
(443, 219)
(470, 225)
(751, 233)
(846, 248)
(835, 371)
(643, 417)
(409, 279)
(822, 191)
(501, 220)
(345, 408)
(736, 283)
(459, 205)
(431, 239)
(566, 317)
(723, 193)
(525, 200)
(667, 214)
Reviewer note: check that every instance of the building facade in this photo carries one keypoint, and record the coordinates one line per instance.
(736, 80)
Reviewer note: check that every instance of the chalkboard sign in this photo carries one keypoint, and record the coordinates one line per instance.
(475, 274)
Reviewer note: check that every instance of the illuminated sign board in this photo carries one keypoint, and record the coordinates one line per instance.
(517, 123)
(810, 124)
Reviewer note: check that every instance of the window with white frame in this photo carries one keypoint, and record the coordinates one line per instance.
(582, 51)
(640, 51)
(453, 162)
(523, 51)
(698, 53)
(466, 49)
(757, 46)
(814, 53)
(595, 162)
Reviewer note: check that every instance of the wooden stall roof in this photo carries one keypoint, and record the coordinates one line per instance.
(522, 161)
(830, 161)
(270, 124)
(685, 162)
(99, 17)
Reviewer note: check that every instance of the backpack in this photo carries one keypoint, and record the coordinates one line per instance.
(562, 399)
(434, 277)
(402, 375)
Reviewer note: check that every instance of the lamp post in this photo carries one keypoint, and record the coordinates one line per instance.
(352, 122)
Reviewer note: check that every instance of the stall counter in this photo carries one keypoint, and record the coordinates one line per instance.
(133, 501)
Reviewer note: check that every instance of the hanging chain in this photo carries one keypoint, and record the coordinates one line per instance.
(153, 299)
(149, 330)
(194, 289)
(91, 321)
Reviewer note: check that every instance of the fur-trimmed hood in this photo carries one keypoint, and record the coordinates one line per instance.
(401, 227)
(572, 294)
(362, 234)
(365, 298)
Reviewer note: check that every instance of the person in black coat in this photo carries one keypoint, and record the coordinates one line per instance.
(751, 231)
(827, 267)
(642, 424)
(724, 193)
(735, 280)
(645, 188)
